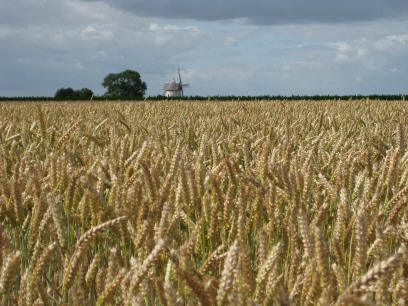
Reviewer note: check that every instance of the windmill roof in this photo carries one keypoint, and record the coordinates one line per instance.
(171, 86)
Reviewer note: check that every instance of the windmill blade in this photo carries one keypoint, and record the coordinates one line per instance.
(181, 89)
(178, 70)
(186, 85)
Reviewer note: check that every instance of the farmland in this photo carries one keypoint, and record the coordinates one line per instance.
(182, 202)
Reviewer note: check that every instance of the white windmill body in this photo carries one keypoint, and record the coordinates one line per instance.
(174, 89)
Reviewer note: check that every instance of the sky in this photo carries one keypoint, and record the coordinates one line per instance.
(223, 47)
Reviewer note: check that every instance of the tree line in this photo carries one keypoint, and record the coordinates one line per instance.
(225, 98)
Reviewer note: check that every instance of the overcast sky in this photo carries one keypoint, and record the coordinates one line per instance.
(223, 47)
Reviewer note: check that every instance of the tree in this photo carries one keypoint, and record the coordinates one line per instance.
(84, 94)
(70, 94)
(126, 84)
(64, 93)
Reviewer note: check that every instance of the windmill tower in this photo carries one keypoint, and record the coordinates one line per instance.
(174, 89)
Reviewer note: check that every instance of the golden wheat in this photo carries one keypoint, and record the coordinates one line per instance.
(174, 203)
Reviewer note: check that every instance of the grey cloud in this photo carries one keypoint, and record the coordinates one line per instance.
(267, 11)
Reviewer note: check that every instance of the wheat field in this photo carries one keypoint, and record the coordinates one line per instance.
(209, 203)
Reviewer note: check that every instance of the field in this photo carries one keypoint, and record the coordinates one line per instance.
(228, 203)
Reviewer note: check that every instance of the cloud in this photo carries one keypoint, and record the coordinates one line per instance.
(90, 33)
(342, 46)
(267, 11)
(170, 33)
(371, 51)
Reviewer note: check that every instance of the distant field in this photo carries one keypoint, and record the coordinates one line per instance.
(174, 203)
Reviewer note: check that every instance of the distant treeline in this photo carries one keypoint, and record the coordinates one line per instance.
(214, 98)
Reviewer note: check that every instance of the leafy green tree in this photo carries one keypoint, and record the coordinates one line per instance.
(84, 94)
(126, 84)
(70, 94)
(64, 94)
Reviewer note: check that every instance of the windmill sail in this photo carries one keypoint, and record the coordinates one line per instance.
(180, 83)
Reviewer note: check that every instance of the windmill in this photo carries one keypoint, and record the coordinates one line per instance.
(175, 89)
